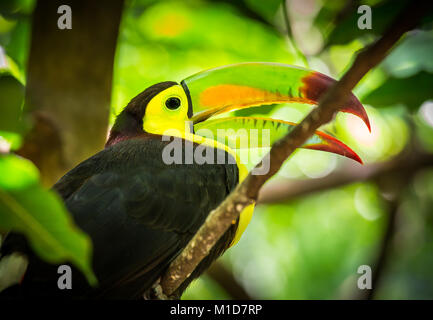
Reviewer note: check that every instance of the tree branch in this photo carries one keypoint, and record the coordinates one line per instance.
(409, 162)
(384, 249)
(225, 278)
(246, 193)
(392, 187)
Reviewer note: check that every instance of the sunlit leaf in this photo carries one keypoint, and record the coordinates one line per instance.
(17, 173)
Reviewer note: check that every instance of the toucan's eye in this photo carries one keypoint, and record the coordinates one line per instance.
(172, 103)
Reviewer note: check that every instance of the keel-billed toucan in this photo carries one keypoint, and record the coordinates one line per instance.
(141, 210)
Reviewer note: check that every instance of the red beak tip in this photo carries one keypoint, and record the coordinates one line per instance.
(352, 155)
(358, 110)
(367, 122)
(334, 145)
(357, 158)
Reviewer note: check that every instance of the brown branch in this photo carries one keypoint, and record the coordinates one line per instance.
(225, 278)
(220, 219)
(383, 250)
(394, 186)
(409, 162)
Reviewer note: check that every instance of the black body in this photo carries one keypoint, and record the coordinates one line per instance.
(139, 212)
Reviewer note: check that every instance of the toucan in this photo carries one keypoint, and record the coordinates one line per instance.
(141, 205)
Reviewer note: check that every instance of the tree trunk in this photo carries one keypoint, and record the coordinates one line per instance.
(68, 91)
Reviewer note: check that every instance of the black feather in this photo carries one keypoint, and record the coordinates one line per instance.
(139, 212)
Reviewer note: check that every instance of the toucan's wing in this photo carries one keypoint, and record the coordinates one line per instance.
(138, 211)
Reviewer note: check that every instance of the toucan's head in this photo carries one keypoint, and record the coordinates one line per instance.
(169, 105)
(159, 107)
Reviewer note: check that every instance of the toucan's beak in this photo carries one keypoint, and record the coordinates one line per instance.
(246, 85)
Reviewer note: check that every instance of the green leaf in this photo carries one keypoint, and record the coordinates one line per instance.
(12, 139)
(412, 55)
(16, 43)
(17, 173)
(41, 216)
(411, 91)
(12, 97)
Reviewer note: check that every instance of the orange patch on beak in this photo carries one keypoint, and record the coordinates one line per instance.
(226, 95)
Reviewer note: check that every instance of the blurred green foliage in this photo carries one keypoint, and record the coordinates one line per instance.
(12, 93)
(26, 207)
(410, 91)
(171, 40)
(309, 248)
(347, 29)
(409, 274)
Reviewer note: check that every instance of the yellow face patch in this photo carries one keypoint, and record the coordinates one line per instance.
(164, 117)
(168, 110)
